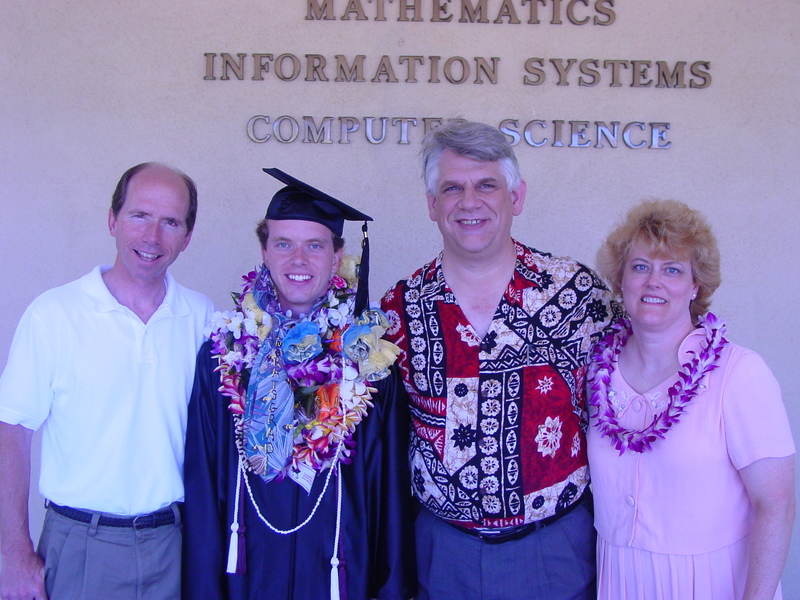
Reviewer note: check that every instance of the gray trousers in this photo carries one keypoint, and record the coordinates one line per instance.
(556, 562)
(84, 561)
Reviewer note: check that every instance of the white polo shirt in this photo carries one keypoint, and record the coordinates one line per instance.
(110, 391)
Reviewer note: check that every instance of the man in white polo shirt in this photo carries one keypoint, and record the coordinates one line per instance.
(105, 366)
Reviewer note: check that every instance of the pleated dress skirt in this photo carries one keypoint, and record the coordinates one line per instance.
(627, 573)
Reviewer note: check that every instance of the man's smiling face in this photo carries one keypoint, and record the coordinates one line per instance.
(473, 205)
(301, 259)
(150, 228)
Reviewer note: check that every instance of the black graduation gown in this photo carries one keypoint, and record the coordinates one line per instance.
(376, 538)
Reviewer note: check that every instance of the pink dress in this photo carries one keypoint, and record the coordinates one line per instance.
(673, 522)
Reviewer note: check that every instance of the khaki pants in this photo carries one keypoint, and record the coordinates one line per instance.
(84, 561)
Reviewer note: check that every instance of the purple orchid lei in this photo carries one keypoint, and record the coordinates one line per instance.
(680, 395)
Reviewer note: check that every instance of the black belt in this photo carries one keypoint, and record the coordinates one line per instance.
(164, 516)
(515, 533)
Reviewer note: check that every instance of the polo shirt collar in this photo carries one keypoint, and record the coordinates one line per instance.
(174, 303)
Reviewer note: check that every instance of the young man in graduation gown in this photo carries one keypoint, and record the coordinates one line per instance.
(297, 483)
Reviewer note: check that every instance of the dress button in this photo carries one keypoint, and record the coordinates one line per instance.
(629, 500)
(637, 405)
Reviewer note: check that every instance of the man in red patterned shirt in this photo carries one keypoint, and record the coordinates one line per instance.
(496, 337)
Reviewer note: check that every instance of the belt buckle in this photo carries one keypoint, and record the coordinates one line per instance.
(492, 537)
(144, 521)
(498, 537)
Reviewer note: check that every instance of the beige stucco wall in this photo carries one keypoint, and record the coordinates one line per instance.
(91, 88)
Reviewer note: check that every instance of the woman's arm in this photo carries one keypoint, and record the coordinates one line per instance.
(770, 486)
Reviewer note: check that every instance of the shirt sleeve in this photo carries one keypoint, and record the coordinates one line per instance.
(26, 384)
(755, 420)
(614, 310)
(392, 306)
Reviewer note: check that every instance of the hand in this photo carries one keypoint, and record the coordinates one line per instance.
(22, 577)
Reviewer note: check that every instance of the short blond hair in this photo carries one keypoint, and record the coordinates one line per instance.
(671, 228)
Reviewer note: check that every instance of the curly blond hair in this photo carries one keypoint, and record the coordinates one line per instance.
(671, 228)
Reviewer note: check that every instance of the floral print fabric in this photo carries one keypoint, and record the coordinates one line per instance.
(498, 424)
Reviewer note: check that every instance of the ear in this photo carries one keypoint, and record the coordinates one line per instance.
(187, 240)
(337, 260)
(518, 198)
(264, 257)
(112, 223)
(431, 207)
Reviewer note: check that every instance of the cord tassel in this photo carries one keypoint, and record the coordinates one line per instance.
(335, 558)
(233, 549)
(334, 578)
(236, 542)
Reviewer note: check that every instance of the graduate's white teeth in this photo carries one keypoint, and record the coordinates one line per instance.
(651, 300)
(299, 277)
(470, 221)
(147, 256)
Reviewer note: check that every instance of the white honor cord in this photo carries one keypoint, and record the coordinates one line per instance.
(335, 557)
(333, 466)
(233, 544)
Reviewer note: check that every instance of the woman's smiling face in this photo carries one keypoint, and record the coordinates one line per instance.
(657, 289)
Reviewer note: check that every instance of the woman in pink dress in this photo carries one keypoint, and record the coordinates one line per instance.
(690, 451)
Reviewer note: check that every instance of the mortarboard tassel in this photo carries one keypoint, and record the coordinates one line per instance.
(362, 293)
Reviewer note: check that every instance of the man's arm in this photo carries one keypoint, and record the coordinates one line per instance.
(22, 573)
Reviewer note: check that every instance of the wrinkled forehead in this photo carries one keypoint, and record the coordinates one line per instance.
(157, 190)
(453, 166)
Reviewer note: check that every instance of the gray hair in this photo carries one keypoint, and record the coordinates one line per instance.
(473, 140)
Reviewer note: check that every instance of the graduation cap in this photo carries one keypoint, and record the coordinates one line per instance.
(299, 201)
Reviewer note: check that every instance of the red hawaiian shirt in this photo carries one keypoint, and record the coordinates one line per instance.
(498, 423)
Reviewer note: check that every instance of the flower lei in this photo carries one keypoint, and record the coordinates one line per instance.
(680, 395)
(329, 360)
